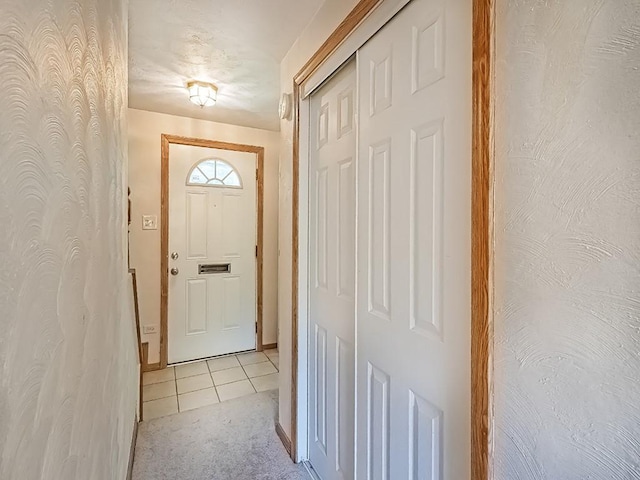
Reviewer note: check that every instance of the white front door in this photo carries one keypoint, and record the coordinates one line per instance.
(212, 245)
(414, 245)
(332, 276)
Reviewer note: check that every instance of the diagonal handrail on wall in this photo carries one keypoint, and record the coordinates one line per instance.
(141, 356)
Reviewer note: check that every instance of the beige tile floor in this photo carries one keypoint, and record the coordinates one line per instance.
(194, 385)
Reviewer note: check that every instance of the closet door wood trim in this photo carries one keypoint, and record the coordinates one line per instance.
(482, 240)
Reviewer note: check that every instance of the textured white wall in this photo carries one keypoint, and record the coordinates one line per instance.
(567, 326)
(326, 19)
(68, 365)
(145, 129)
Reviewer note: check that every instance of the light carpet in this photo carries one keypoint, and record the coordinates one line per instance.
(233, 440)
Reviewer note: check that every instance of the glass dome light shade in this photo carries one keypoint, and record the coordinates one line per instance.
(202, 94)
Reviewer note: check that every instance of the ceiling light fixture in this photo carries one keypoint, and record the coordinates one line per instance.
(202, 94)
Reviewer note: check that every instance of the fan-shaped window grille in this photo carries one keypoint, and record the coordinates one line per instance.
(214, 173)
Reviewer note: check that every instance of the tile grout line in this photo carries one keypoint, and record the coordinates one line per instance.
(175, 379)
(228, 383)
(215, 388)
(246, 375)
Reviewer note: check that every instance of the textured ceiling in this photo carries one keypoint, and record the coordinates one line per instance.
(238, 45)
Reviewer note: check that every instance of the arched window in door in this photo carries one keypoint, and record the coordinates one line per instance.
(214, 172)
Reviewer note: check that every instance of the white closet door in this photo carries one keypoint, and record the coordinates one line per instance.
(332, 228)
(414, 244)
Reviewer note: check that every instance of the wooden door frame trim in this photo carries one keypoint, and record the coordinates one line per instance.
(482, 221)
(483, 158)
(167, 140)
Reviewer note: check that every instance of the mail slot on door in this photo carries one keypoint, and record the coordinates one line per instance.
(214, 268)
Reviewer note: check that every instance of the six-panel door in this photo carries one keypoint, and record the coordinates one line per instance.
(414, 245)
(332, 227)
(212, 235)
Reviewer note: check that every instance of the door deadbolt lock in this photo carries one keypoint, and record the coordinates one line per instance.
(174, 271)
(174, 256)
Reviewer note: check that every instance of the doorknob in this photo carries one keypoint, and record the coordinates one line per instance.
(174, 256)
(174, 271)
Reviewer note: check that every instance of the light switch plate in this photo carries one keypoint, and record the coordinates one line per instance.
(149, 329)
(149, 222)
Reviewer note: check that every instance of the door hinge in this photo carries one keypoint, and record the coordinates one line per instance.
(256, 327)
(256, 251)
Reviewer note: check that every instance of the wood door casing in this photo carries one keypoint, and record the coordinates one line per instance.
(165, 141)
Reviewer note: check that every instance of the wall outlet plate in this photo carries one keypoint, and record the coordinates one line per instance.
(147, 329)
(149, 222)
